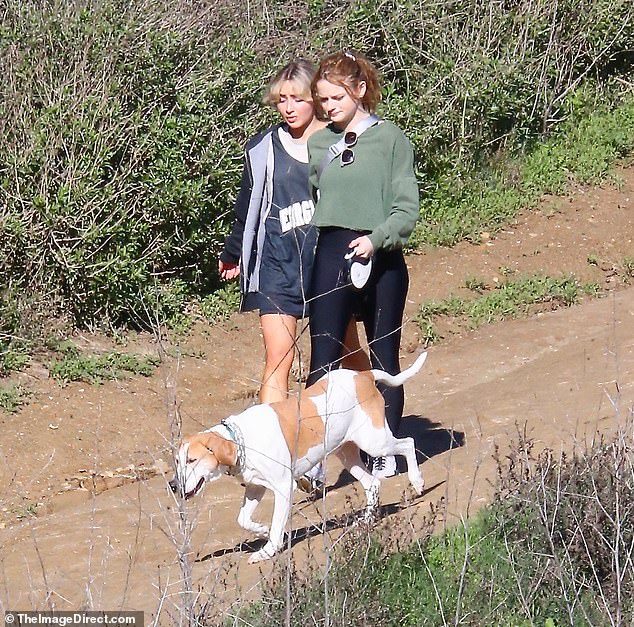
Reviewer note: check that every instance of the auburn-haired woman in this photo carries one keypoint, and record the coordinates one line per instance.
(362, 173)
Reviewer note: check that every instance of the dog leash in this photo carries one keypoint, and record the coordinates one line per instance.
(236, 435)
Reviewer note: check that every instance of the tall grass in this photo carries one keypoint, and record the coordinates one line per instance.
(581, 149)
(555, 547)
(510, 299)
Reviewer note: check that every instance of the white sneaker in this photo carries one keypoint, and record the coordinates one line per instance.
(312, 481)
(384, 467)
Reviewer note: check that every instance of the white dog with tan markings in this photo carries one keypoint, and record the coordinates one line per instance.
(270, 446)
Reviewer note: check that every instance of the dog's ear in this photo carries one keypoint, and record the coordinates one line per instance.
(224, 450)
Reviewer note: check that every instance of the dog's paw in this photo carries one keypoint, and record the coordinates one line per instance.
(419, 485)
(368, 517)
(257, 529)
(260, 531)
(265, 553)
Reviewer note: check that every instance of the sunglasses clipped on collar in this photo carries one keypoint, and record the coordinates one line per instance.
(347, 156)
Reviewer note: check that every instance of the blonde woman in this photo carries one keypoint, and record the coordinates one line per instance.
(272, 243)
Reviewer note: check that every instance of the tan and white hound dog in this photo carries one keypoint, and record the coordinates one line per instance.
(270, 446)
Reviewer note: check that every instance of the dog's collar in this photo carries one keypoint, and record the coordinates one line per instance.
(236, 436)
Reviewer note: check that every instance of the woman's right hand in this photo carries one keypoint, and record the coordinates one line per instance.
(361, 247)
(228, 271)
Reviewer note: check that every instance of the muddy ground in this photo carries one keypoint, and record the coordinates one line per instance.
(86, 520)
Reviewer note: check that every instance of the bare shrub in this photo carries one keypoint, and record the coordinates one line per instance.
(569, 518)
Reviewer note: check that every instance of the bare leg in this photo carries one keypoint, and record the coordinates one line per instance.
(354, 357)
(279, 346)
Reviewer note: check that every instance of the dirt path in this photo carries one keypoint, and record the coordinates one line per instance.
(85, 517)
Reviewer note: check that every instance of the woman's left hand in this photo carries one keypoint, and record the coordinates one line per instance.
(362, 247)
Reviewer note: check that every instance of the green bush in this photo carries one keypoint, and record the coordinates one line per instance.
(75, 365)
(12, 397)
(122, 126)
(122, 137)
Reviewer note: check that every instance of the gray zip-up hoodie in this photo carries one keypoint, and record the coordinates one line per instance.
(244, 244)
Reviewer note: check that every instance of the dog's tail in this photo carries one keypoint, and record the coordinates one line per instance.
(394, 380)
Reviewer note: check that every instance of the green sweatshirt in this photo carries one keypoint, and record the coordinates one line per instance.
(377, 193)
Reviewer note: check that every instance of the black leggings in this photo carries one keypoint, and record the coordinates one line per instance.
(380, 306)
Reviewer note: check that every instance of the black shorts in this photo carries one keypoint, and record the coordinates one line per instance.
(283, 288)
(275, 303)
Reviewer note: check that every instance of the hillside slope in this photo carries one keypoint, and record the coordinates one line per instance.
(78, 528)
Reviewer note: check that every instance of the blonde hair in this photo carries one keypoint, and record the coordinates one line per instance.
(348, 68)
(299, 72)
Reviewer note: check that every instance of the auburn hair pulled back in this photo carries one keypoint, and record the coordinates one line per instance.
(348, 69)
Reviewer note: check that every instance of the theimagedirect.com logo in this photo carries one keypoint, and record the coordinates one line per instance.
(63, 619)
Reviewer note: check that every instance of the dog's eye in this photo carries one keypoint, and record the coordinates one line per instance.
(191, 461)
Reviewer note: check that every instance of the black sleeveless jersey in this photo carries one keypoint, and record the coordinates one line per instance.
(289, 245)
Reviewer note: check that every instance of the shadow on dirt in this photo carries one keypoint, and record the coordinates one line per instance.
(429, 438)
(336, 522)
